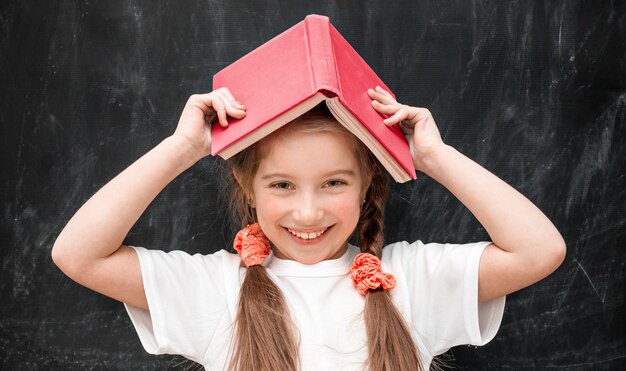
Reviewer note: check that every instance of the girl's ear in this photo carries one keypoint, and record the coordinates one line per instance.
(366, 187)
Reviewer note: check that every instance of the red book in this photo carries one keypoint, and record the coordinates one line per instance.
(288, 75)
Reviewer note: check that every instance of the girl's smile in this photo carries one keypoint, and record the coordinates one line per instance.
(307, 193)
(307, 236)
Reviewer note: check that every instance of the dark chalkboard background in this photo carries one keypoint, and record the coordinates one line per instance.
(534, 91)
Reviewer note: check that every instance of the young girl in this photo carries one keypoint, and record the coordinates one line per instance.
(316, 302)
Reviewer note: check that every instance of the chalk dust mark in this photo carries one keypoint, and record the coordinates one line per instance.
(589, 279)
(618, 226)
(404, 199)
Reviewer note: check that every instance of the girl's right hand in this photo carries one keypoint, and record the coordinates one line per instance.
(200, 112)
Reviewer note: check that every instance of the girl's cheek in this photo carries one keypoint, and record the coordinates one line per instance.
(272, 206)
(347, 206)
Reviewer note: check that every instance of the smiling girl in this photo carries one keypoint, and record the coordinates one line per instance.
(315, 302)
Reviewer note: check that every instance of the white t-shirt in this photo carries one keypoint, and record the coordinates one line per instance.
(193, 302)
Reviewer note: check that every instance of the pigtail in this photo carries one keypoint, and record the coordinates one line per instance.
(389, 341)
(264, 335)
(370, 226)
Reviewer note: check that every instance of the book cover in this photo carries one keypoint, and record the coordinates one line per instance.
(291, 73)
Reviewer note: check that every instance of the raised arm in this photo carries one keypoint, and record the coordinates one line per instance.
(89, 249)
(526, 246)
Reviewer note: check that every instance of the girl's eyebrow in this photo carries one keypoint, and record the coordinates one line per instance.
(346, 172)
(274, 175)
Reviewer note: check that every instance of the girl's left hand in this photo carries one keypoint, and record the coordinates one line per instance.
(418, 125)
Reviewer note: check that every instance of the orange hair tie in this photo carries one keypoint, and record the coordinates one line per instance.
(252, 245)
(367, 274)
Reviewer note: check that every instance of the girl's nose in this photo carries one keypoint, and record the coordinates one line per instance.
(308, 210)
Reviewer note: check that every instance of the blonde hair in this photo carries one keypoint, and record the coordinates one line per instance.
(265, 336)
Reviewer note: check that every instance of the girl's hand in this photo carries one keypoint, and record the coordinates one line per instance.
(418, 125)
(199, 113)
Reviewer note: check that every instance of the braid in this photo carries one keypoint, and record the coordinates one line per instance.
(389, 340)
(370, 226)
(265, 338)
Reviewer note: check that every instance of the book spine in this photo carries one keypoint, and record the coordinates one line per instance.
(321, 55)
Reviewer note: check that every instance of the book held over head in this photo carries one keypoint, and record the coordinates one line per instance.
(290, 74)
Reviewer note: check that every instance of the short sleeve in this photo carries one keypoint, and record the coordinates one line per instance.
(189, 301)
(438, 291)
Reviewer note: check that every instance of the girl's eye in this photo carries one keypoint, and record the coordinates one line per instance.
(281, 185)
(335, 183)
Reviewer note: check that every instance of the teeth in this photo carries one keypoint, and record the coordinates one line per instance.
(307, 235)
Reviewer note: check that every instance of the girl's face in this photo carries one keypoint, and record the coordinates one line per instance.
(307, 193)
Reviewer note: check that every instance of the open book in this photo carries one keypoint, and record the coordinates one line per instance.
(290, 74)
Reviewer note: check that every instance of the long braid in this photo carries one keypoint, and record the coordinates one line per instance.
(390, 345)
(370, 226)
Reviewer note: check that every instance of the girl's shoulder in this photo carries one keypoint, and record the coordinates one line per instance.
(404, 247)
(179, 259)
(409, 254)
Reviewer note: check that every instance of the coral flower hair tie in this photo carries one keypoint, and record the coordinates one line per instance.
(367, 274)
(252, 245)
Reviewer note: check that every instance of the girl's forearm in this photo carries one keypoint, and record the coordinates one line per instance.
(514, 223)
(99, 227)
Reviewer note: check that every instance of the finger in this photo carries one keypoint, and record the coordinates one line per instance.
(221, 117)
(229, 99)
(384, 92)
(235, 112)
(220, 109)
(399, 116)
(414, 116)
(239, 105)
(380, 97)
(386, 109)
(225, 105)
(233, 108)
(226, 93)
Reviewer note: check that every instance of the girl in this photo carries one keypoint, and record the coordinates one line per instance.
(316, 302)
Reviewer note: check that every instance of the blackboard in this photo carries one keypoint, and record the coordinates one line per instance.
(534, 91)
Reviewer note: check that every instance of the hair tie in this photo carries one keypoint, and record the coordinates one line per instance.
(252, 245)
(367, 274)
